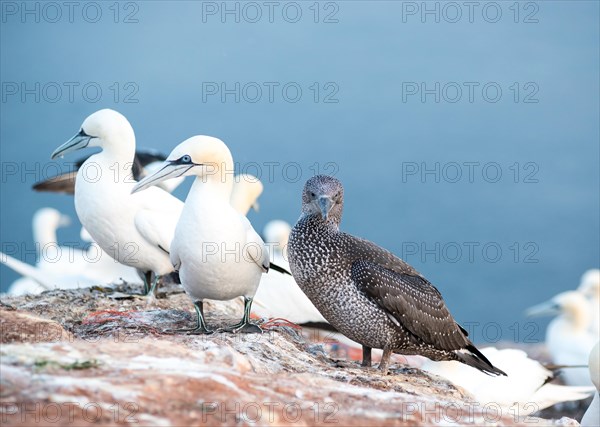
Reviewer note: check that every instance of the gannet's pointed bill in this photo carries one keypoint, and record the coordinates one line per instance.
(325, 204)
(79, 141)
(168, 170)
(548, 308)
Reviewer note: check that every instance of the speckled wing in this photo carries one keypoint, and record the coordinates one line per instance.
(408, 298)
(361, 249)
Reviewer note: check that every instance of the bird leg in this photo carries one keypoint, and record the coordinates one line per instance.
(366, 356)
(200, 322)
(245, 326)
(385, 360)
(147, 279)
(152, 291)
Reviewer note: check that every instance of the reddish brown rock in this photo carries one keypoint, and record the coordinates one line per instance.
(112, 362)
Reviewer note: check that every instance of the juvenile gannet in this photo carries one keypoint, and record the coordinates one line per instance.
(218, 254)
(524, 391)
(134, 229)
(568, 337)
(366, 292)
(591, 418)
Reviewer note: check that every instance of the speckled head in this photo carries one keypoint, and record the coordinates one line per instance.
(323, 195)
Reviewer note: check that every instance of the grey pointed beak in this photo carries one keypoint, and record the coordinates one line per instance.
(79, 141)
(170, 169)
(325, 204)
(548, 308)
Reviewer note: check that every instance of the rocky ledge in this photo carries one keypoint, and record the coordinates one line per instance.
(98, 356)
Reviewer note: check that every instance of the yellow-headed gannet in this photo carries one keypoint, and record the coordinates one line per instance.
(218, 254)
(134, 229)
(568, 337)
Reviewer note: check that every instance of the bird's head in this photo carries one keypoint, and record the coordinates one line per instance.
(105, 128)
(590, 284)
(203, 156)
(323, 195)
(246, 190)
(570, 304)
(50, 218)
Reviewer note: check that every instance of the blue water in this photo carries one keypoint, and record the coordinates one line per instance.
(380, 61)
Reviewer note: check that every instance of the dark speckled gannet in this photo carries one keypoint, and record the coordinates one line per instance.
(137, 229)
(218, 254)
(366, 292)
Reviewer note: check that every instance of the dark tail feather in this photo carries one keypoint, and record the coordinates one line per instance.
(319, 325)
(473, 357)
(64, 183)
(279, 269)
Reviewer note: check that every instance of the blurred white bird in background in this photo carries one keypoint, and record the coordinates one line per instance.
(246, 191)
(590, 288)
(63, 267)
(591, 418)
(526, 384)
(569, 338)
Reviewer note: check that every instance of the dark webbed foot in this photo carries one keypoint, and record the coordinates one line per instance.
(366, 362)
(245, 327)
(200, 327)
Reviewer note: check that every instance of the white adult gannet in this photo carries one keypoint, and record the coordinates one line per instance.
(279, 296)
(246, 191)
(590, 288)
(218, 254)
(134, 229)
(568, 337)
(591, 418)
(525, 384)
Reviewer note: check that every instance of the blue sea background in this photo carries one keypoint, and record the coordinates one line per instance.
(374, 134)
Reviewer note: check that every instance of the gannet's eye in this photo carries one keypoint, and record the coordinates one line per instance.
(313, 195)
(186, 159)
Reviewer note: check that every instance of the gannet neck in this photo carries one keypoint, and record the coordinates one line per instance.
(210, 188)
(119, 149)
(45, 223)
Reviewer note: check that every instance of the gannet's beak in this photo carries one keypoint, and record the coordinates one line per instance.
(170, 169)
(79, 141)
(325, 204)
(548, 308)
(256, 206)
